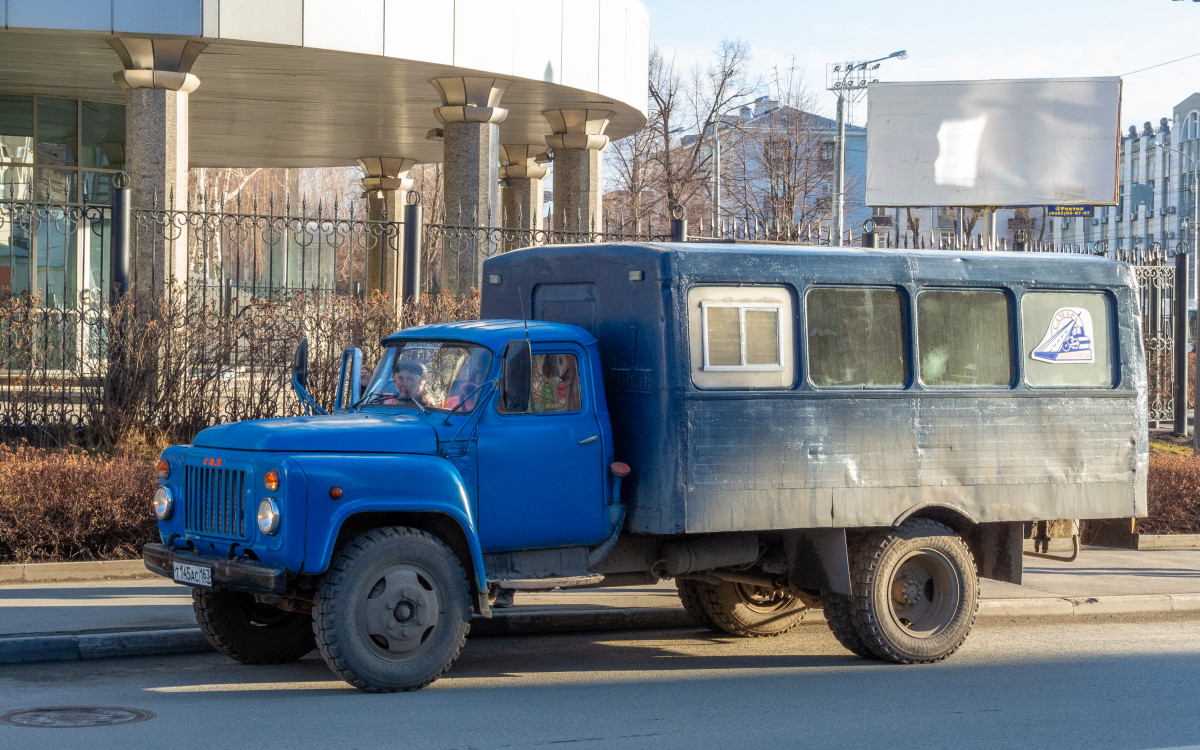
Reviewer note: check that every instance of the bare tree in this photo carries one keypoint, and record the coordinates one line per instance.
(655, 169)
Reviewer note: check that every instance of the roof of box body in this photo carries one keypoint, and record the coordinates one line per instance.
(741, 263)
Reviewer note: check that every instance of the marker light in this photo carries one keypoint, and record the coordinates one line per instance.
(268, 516)
(164, 503)
(271, 480)
(164, 469)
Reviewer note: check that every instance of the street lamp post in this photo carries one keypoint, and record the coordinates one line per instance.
(1195, 260)
(843, 77)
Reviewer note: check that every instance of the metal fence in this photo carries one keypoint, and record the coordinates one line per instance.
(260, 277)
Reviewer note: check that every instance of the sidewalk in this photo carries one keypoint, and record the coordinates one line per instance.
(103, 618)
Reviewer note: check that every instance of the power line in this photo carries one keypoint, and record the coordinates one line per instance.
(1168, 62)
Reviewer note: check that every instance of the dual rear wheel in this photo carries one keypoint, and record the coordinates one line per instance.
(916, 593)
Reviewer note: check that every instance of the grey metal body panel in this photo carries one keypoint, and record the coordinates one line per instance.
(803, 457)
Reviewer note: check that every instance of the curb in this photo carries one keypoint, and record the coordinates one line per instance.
(97, 570)
(75, 647)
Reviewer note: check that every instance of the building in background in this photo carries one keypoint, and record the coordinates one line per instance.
(152, 88)
(776, 172)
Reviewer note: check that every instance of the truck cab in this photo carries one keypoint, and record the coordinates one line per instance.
(439, 442)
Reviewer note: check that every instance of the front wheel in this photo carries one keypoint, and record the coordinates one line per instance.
(251, 632)
(916, 592)
(393, 610)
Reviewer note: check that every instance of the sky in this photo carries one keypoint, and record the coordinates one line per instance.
(959, 40)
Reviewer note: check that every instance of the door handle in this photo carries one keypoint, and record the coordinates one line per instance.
(587, 440)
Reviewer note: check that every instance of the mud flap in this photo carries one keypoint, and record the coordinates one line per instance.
(997, 549)
(818, 560)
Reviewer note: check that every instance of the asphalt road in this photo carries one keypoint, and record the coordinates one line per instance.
(1053, 683)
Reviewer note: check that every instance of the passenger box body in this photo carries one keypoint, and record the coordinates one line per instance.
(759, 388)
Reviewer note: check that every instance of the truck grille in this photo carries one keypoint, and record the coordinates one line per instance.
(213, 499)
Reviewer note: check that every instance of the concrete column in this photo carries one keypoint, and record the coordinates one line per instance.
(385, 183)
(470, 116)
(521, 206)
(577, 140)
(157, 76)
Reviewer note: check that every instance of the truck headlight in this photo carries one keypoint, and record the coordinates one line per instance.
(268, 516)
(164, 503)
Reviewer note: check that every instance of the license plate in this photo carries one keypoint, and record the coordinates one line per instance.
(193, 575)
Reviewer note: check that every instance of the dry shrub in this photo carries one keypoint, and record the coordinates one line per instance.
(1173, 493)
(58, 505)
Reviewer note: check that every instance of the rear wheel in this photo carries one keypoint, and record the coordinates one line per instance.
(916, 592)
(249, 631)
(837, 615)
(689, 595)
(393, 610)
(749, 611)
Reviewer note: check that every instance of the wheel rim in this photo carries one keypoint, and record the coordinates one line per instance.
(924, 593)
(762, 599)
(401, 611)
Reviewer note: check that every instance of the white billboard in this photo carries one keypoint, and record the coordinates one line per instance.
(993, 143)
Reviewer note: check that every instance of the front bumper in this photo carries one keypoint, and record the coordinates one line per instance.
(236, 575)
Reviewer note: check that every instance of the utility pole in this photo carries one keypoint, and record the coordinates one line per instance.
(841, 78)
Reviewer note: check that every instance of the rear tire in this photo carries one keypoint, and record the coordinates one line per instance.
(916, 592)
(749, 611)
(250, 632)
(690, 596)
(837, 609)
(393, 610)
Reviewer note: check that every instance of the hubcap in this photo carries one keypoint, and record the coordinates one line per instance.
(400, 611)
(924, 593)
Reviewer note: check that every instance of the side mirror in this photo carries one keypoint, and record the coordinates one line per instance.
(349, 389)
(300, 380)
(300, 365)
(516, 382)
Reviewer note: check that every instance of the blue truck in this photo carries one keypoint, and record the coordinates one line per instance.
(776, 429)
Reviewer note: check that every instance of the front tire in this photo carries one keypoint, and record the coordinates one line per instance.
(249, 631)
(749, 611)
(916, 592)
(393, 610)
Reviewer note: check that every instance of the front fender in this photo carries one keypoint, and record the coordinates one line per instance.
(382, 484)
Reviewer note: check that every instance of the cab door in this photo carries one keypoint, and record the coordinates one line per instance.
(542, 472)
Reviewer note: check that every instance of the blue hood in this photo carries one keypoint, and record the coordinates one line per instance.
(333, 433)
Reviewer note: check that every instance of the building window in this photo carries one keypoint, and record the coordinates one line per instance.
(826, 151)
(741, 337)
(63, 152)
(964, 338)
(856, 337)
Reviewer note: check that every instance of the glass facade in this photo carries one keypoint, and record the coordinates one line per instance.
(57, 157)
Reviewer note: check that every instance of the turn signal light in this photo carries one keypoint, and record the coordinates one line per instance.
(164, 469)
(271, 480)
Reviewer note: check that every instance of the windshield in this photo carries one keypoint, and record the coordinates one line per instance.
(437, 375)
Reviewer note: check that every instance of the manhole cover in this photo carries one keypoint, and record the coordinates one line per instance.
(74, 717)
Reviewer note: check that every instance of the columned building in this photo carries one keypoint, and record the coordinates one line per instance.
(92, 87)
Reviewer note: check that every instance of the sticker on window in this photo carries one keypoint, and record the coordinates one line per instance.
(1068, 340)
